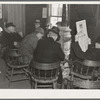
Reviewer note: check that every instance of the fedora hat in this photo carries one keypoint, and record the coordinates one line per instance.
(56, 30)
(37, 21)
(9, 24)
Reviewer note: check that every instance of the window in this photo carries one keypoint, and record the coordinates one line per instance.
(55, 13)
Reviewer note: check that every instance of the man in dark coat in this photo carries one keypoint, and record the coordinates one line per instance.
(92, 53)
(49, 50)
(10, 36)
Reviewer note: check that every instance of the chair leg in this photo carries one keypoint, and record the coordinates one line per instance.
(67, 84)
(63, 86)
(10, 80)
(71, 85)
(35, 85)
(6, 73)
(54, 85)
(71, 82)
(32, 84)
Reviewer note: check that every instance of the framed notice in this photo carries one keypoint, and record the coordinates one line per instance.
(0, 11)
(81, 27)
(44, 12)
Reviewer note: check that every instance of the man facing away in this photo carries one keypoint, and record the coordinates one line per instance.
(29, 42)
(92, 53)
(48, 50)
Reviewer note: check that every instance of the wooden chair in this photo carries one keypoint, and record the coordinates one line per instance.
(16, 66)
(45, 75)
(85, 74)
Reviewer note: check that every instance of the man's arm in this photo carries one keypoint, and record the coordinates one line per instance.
(17, 37)
(89, 54)
(77, 50)
(60, 53)
(36, 50)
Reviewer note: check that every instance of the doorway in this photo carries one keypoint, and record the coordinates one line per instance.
(33, 12)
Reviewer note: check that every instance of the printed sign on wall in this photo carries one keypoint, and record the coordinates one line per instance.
(44, 13)
(0, 11)
(82, 35)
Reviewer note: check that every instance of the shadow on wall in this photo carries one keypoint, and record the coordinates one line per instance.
(97, 31)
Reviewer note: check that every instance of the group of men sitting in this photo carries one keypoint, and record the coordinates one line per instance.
(43, 50)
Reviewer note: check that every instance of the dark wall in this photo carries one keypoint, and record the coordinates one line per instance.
(33, 12)
(81, 12)
(1, 23)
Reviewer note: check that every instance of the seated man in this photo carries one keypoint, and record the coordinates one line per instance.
(37, 24)
(48, 50)
(29, 42)
(9, 38)
(92, 53)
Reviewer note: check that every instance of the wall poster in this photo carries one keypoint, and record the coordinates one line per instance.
(82, 35)
(0, 11)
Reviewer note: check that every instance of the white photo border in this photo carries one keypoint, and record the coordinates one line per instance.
(49, 94)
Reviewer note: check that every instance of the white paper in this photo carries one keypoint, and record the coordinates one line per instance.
(82, 36)
(44, 13)
(0, 11)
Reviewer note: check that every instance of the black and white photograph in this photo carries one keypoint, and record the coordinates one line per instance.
(50, 46)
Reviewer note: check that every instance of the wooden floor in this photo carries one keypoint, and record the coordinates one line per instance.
(15, 85)
(4, 82)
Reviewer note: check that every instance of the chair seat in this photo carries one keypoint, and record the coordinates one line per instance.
(18, 66)
(45, 80)
(81, 76)
(86, 83)
(16, 79)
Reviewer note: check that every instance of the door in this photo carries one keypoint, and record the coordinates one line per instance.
(33, 12)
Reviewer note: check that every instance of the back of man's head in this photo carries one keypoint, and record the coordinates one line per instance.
(39, 30)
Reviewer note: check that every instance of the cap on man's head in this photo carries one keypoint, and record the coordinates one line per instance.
(39, 30)
(56, 30)
(37, 21)
(97, 40)
(9, 25)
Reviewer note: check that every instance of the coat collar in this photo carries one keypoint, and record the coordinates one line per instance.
(50, 38)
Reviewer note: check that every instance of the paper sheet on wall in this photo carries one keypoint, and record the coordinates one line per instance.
(0, 11)
(44, 13)
(82, 35)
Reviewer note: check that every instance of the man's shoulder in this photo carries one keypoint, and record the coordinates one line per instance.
(42, 40)
(58, 44)
(29, 36)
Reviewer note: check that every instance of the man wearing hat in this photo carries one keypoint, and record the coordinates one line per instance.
(29, 42)
(92, 53)
(49, 50)
(10, 36)
(37, 24)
